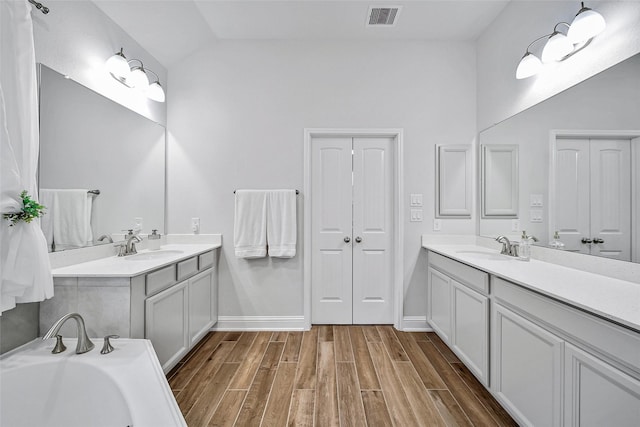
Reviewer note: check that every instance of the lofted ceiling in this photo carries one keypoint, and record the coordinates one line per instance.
(172, 29)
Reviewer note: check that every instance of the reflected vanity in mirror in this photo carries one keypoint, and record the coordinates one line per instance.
(102, 166)
(580, 157)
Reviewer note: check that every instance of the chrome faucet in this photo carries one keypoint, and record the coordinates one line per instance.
(84, 343)
(129, 246)
(508, 248)
(105, 237)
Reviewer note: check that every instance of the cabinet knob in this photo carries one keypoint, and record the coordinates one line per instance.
(347, 239)
(586, 240)
(358, 239)
(596, 240)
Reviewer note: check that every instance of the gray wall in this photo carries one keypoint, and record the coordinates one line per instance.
(19, 326)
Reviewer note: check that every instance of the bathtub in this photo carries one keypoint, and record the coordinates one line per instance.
(124, 388)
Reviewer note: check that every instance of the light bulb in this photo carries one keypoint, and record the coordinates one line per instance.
(529, 66)
(586, 25)
(558, 46)
(155, 92)
(138, 79)
(117, 65)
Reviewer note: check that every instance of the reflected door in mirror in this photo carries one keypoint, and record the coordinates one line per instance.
(593, 196)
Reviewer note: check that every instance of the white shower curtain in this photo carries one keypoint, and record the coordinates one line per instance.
(25, 271)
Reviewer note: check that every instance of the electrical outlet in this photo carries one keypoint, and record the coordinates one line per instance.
(415, 200)
(515, 225)
(416, 215)
(195, 225)
(137, 224)
(535, 215)
(437, 224)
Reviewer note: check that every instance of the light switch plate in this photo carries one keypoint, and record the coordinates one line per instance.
(437, 224)
(195, 225)
(138, 224)
(515, 225)
(416, 215)
(535, 215)
(416, 200)
(535, 200)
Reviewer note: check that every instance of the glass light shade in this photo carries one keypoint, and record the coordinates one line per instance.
(558, 46)
(155, 92)
(529, 66)
(586, 25)
(138, 79)
(118, 66)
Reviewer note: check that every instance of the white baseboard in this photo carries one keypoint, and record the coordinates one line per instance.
(415, 324)
(259, 323)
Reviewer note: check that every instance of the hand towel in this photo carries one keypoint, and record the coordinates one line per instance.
(72, 219)
(250, 224)
(281, 223)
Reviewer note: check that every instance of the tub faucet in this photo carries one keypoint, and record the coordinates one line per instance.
(84, 343)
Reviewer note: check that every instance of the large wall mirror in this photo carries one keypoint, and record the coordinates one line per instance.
(102, 166)
(579, 166)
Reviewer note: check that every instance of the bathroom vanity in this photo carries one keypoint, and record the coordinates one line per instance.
(168, 296)
(556, 346)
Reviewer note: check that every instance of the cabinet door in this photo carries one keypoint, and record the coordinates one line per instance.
(470, 329)
(201, 305)
(439, 303)
(597, 394)
(526, 370)
(166, 324)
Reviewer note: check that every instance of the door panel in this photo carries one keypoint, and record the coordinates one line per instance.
(372, 224)
(331, 272)
(611, 198)
(572, 193)
(351, 183)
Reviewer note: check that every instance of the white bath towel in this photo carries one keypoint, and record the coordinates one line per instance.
(281, 223)
(69, 217)
(250, 224)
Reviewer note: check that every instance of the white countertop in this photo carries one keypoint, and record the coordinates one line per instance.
(114, 266)
(613, 299)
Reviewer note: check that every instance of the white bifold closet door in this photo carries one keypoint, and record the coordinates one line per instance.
(352, 230)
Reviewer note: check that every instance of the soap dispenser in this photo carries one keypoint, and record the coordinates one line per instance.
(154, 240)
(556, 243)
(524, 248)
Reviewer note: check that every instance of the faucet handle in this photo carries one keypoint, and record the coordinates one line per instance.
(107, 347)
(59, 347)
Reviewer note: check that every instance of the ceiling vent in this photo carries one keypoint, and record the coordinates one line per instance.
(383, 16)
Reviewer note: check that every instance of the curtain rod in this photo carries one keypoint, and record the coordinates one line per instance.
(39, 6)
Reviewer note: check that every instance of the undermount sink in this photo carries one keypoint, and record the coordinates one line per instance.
(490, 256)
(150, 256)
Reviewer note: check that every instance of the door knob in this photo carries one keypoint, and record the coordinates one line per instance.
(347, 239)
(358, 239)
(596, 240)
(585, 240)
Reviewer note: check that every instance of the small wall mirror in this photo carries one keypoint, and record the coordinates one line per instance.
(91, 144)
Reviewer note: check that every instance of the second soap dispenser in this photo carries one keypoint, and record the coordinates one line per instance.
(154, 240)
(524, 248)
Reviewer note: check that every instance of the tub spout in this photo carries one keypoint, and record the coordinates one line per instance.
(84, 343)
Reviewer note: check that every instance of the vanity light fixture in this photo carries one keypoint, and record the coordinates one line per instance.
(133, 74)
(585, 26)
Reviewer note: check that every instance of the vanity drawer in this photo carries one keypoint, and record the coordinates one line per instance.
(187, 268)
(160, 279)
(474, 278)
(205, 260)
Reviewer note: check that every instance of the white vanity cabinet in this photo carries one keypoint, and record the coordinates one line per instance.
(527, 361)
(174, 305)
(555, 365)
(458, 310)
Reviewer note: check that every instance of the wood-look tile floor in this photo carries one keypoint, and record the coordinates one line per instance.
(330, 376)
